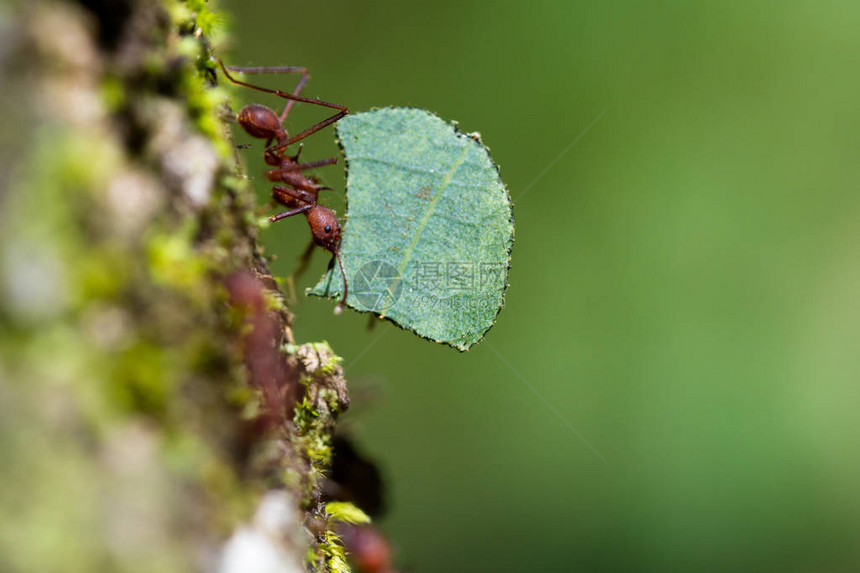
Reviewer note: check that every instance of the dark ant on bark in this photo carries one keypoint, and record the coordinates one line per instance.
(299, 192)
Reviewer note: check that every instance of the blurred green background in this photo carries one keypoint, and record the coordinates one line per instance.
(685, 289)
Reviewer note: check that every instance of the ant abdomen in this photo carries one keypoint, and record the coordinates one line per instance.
(261, 122)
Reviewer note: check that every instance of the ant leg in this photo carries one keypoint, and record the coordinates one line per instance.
(313, 164)
(304, 261)
(296, 92)
(311, 130)
(268, 69)
(303, 166)
(279, 191)
(290, 213)
(285, 95)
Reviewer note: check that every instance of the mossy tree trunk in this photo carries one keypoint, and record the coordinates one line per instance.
(155, 412)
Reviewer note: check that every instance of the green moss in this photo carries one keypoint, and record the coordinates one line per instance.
(181, 14)
(318, 450)
(140, 379)
(345, 512)
(329, 553)
(195, 20)
(335, 554)
(174, 261)
(101, 274)
(204, 104)
(113, 93)
(305, 417)
(83, 162)
(203, 15)
(330, 367)
(275, 301)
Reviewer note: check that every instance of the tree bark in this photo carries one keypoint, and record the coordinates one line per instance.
(155, 412)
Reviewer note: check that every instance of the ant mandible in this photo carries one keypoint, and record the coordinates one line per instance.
(300, 193)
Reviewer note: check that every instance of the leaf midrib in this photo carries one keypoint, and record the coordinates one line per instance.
(437, 196)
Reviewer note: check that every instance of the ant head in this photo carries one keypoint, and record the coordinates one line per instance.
(261, 122)
(325, 228)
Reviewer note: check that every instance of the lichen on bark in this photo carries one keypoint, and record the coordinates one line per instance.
(156, 413)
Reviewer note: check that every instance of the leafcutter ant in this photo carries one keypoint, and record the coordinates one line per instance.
(299, 193)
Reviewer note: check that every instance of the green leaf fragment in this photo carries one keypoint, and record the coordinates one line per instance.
(429, 226)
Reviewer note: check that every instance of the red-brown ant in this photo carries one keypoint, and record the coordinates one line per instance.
(300, 193)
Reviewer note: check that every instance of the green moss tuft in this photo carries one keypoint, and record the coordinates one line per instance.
(346, 512)
(335, 554)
